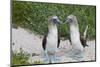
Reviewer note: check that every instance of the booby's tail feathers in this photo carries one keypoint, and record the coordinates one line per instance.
(85, 31)
(83, 37)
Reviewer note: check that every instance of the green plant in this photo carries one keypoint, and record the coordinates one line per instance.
(34, 16)
(20, 58)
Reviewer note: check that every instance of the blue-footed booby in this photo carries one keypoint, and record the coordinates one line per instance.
(74, 33)
(78, 41)
(51, 40)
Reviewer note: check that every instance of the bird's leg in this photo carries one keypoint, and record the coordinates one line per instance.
(47, 57)
(56, 58)
(52, 58)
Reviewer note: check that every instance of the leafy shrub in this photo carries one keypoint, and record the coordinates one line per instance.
(34, 16)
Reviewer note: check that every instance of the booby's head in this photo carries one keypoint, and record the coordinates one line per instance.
(71, 19)
(54, 20)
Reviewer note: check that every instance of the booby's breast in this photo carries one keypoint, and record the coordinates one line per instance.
(52, 39)
(75, 37)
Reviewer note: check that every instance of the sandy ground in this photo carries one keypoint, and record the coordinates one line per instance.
(32, 44)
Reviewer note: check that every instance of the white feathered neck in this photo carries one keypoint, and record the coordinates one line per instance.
(53, 29)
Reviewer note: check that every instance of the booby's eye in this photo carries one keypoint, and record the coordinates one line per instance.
(54, 20)
(70, 20)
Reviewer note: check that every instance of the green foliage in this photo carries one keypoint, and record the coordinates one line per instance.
(34, 16)
(20, 58)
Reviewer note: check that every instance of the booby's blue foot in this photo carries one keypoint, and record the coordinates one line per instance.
(46, 57)
(55, 59)
(75, 55)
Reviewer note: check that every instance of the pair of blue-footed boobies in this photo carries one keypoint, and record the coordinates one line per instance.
(51, 40)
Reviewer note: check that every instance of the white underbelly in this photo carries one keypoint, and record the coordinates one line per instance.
(52, 41)
(75, 38)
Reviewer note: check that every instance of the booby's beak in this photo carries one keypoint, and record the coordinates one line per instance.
(68, 20)
(57, 21)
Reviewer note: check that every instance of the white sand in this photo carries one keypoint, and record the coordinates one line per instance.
(33, 44)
